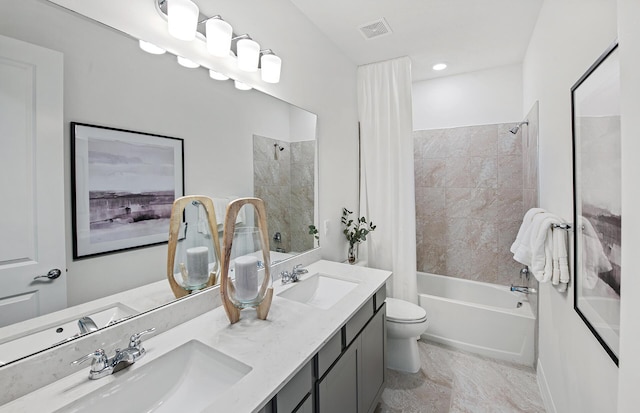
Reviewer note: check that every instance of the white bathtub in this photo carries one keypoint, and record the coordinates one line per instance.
(482, 318)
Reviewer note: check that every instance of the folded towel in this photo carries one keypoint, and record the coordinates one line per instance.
(220, 206)
(526, 223)
(540, 246)
(560, 277)
(524, 252)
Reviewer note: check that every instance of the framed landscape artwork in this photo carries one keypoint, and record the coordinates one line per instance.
(124, 184)
(595, 102)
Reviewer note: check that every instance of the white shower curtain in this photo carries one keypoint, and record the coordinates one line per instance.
(387, 194)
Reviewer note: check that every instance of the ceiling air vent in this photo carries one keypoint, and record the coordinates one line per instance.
(375, 29)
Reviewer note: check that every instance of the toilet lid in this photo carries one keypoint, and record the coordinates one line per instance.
(402, 311)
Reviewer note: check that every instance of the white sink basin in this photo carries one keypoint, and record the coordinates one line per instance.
(46, 336)
(186, 379)
(319, 290)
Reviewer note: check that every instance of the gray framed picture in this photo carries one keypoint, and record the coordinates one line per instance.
(124, 184)
(595, 104)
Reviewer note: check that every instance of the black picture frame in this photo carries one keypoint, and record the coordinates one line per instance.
(123, 187)
(595, 115)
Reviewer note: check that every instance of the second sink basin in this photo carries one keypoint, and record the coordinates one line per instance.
(35, 340)
(188, 378)
(319, 290)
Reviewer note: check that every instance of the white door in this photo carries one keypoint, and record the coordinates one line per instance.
(32, 231)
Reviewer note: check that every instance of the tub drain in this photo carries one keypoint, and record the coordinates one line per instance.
(519, 304)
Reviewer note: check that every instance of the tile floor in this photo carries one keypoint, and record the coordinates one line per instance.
(456, 382)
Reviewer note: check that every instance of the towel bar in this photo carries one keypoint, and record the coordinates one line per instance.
(561, 226)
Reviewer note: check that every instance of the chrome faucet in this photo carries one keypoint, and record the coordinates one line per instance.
(294, 275)
(102, 366)
(86, 325)
(523, 289)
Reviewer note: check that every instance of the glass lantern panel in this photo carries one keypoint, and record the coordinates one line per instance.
(195, 260)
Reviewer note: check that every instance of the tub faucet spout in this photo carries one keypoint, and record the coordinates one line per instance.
(523, 289)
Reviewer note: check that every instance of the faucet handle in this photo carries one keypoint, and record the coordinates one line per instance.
(99, 361)
(135, 340)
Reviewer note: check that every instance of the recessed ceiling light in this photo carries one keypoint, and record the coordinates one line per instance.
(440, 66)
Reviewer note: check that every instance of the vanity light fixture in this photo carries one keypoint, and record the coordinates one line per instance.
(188, 63)
(439, 66)
(248, 52)
(270, 66)
(183, 19)
(151, 48)
(241, 86)
(219, 34)
(217, 75)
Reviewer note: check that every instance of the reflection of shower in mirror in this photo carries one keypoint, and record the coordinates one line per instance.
(277, 148)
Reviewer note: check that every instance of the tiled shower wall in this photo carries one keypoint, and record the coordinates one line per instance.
(472, 190)
(286, 185)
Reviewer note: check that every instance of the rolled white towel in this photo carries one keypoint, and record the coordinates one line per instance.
(524, 253)
(526, 223)
(541, 242)
(560, 276)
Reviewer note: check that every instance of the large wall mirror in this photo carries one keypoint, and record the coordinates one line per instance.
(236, 144)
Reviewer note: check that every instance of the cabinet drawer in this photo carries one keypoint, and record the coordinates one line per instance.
(295, 390)
(358, 321)
(329, 353)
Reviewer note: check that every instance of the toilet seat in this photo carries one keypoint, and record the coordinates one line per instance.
(404, 312)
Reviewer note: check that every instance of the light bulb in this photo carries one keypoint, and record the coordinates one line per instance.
(248, 55)
(270, 68)
(218, 37)
(183, 19)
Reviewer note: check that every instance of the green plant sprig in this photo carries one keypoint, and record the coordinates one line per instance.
(355, 230)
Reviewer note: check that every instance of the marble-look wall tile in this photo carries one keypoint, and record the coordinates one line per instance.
(286, 185)
(430, 172)
(476, 203)
(430, 202)
(509, 143)
(433, 143)
(473, 172)
(470, 180)
(510, 204)
(510, 172)
(472, 141)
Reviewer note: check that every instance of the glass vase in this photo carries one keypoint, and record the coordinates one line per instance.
(352, 256)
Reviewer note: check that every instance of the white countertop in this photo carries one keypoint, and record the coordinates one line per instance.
(275, 348)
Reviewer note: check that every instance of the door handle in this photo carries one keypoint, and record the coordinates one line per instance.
(51, 275)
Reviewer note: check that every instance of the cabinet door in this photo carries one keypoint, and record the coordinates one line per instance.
(371, 371)
(338, 391)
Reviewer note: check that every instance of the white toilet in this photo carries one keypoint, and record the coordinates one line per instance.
(405, 322)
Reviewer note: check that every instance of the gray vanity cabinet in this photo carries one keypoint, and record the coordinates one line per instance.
(348, 372)
(356, 380)
(371, 367)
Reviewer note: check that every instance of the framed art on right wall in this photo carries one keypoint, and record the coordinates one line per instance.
(595, 107)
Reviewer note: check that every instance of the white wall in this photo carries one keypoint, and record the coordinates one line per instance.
(568, 37)
(110, 81)
(629, 36)
(476, 98)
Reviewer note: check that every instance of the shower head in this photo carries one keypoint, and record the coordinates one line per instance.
(277, 148)
(516, 128)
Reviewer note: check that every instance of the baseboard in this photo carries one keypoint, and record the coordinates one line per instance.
(544, 390)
